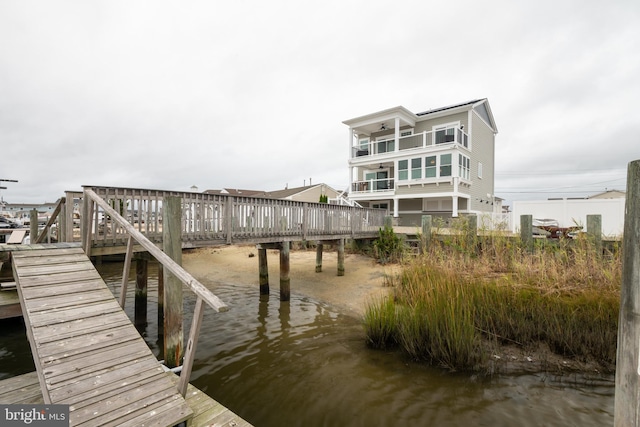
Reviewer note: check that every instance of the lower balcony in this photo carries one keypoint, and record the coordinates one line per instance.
(373, 186)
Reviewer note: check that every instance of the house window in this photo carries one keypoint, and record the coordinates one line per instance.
(430, 167)
(416, 168)
(386, 145)
(445, 165)
(406, 133)
(463, 166)
(403, 170)
(480, 170)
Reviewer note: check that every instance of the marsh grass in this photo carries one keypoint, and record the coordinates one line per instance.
(464, 298)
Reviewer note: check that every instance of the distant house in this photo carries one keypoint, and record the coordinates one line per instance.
(22, 210)
(308, 193)
(439, 162)
(609, 194)
(238, 192)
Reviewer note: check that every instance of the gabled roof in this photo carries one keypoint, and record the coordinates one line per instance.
(382, 120)
(276, 194)
(238, 192)
(288, 192)
(480, 106)
(450, 107)
(608, 194)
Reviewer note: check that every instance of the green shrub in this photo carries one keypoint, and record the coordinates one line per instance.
(388, 247)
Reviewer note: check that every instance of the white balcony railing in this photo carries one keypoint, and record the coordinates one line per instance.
(451, 135)
(373, 186)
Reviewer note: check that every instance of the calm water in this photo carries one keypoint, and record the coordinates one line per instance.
(303, 363)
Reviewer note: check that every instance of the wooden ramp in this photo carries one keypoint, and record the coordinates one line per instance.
(25, 389)
(86, 351)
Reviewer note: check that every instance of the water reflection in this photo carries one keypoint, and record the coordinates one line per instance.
(303, 363)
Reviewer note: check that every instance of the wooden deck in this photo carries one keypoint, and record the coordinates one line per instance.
(86, 351)
(9, 303)
(25, 389)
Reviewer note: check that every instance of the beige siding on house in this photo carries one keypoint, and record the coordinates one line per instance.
(313, 194)
(483, 151)
(427, 125)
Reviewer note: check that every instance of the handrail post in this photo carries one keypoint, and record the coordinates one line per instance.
(305, 220)
(190, 350)
(125, 272)
(68, 230)
(62, 221)
(228, 221)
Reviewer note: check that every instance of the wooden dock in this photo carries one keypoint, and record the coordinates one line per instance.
(25, 389)
(9, 302)
(86, 351)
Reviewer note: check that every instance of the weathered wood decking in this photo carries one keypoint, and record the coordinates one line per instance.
(25, 389)
(86, 351)
(9, 302)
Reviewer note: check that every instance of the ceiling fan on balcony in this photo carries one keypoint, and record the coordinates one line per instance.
(383, 127)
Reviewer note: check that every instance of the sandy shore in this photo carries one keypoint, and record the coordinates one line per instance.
(363, 279)
(362, 282)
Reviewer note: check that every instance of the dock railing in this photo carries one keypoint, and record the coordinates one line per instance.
(202, 293)
(218, 219)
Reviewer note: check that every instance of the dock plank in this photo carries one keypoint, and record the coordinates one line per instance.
(9, 304)
(85, 347)
(49, 281)
(21, 389)
(25, 389)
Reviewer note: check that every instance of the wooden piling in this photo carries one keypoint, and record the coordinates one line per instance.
(594, 232)
(472, 232)
(173, 310)
(319, 249)
(161, 303)
(140, 300)
(33, 225)
(341, 257)
(526, 232)
(426, 233)
(285, 281)
(627, 386)
(264, 271)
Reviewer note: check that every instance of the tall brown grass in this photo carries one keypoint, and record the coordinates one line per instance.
(463, 297)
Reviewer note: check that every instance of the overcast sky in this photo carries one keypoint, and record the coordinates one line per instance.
(252, 94)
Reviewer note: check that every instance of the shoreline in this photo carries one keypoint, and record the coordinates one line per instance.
(363, 280)
(349, 294)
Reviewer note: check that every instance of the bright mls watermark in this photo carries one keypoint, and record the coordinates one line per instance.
(34, 415)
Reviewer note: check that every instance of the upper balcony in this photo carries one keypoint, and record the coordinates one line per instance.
(368, 149)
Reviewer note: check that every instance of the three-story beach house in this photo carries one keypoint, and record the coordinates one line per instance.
(439, 162)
